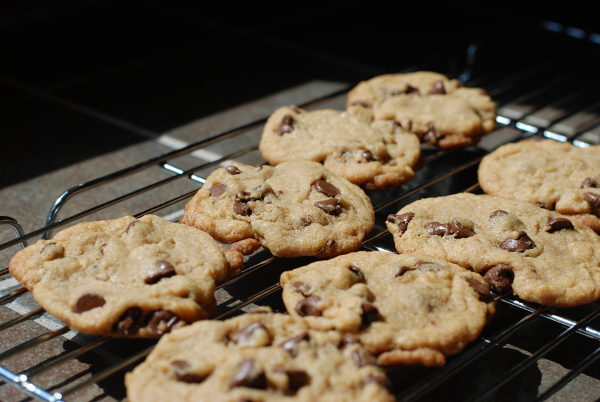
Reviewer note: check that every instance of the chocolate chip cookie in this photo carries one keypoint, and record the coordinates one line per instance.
(375, 155)
(543, 256)
(125, 277)
(257, 357)
(440, 111)
(404, 308)
(293, 209)
(554, 175)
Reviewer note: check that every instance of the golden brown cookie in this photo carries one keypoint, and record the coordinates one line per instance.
(257, 357)
(293, 209)
(543, 256)
(404, 308)
(124, 277)
(551, 174)
(440, 111)
(375, 155)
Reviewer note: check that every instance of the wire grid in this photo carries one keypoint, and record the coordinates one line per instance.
(457, 175)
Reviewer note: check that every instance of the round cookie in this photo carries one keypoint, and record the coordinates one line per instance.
(125, 277)
(256, 357)
(547, 257)
(440, 111)
(554, 175)
(375, 155)
(404, 308)
(373, 92)
(293, 209)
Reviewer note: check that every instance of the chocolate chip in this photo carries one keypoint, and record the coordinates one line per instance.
(296, 379)
(518, 245)
(500, 278)
(483, 290)
(329, 243)
(46, 246)
(326, 188)
(363, 359)
(402, 271)
(356, 271)
(368, 156)
(131, 225)
(250, 375)
(165, 270)
(594, 201)
(308, 306)
(245, 333)
(301, 287)
(497, 213)
(431, 137)
(241, 208)
(556, 224)
(460, 231)
(88, 301)
(401, 221)
(428, 266)
(161, 322)
(410, 90)
(53, 251)
(330, 206)
(438, 229)
(181, 367)
(217, 190)
(233, 170)
(589, 182)
(438, 88)
(291, 344)
(359, 103)
(369, 314)
(129, 322)
(286, 125)
(244, 195)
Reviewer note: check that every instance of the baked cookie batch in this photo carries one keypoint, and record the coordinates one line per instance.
(353, 312)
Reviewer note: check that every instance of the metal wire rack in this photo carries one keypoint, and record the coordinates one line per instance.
(526, 352)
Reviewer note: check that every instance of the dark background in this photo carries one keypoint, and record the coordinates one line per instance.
(81, 78)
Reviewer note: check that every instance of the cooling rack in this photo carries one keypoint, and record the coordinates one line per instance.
(544, 86)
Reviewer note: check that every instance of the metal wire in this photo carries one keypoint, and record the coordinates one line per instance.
(518, 369)
(468, 357)
(8, 221)
(420, 390)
